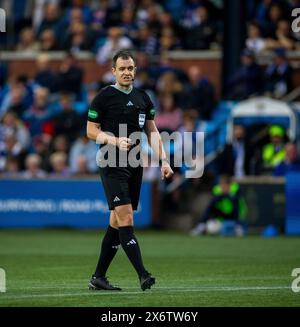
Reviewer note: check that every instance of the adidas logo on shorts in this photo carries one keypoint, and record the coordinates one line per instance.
(129, 103)
(132, 241)
(116, 199)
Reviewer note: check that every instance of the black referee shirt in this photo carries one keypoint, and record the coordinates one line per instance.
(112, 107)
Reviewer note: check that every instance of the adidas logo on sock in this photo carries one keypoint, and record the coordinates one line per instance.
(116, 199)
(129, 103)
(132, 241)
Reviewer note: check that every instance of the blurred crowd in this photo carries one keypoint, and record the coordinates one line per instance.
(147, 25)
(270, 24)
(103, 26)
(43, 119)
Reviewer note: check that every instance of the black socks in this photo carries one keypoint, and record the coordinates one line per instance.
(131, 247)
(109, 248)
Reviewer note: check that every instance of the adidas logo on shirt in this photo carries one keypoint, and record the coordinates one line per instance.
(132, 241)
(129, 103)
(116, 199)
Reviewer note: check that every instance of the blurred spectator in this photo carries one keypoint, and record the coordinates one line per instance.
(255, 42)
(144, 64)
(191, 150)
(128, 24)
(41, 146)
(14, 139)
(274, 15)
(247, 80)
(273, 153)
(81, 163)
(145, 9)
(284, 35)
(165, 65)
(58, 162)
(203, 35)
(78, 38)
(146, 41)
(168, 82)
(227, 203)
(199, 93)
(67, 122)
(174, 9)
(235, 159)
(27, 43)
(114, 42)
(168, 40)
(190, 18)
(153, 21)
(278, 75)
(74, 15)
(48, 41)
(70, 75)
(262, 11)
(51, 20)
(79, 10)
(146, 72)
(100, 11)
(291, 162)
(17, 99)
(11, 125)
(83, 154)
(10, 147)
(107, 78)
(38, 13)
(45, 77)
(33, 167)
(12, 167)
(169, 117)
(60, 143)
(38, 116)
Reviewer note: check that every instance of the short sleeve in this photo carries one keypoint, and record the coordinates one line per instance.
(150, 110)
(95, 111)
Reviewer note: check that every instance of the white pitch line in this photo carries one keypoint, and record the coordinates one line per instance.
(188, 288)
(164, 289)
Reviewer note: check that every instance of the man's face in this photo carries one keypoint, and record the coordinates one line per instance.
(225, 187)
(124, 71)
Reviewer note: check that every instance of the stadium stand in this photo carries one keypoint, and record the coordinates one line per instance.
(55, 57)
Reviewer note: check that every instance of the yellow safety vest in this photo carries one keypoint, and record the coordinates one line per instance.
(233, 189)
(272, 158)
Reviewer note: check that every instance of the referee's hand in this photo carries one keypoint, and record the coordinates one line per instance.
(166, 170)
(124, 143)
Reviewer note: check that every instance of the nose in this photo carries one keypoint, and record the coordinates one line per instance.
(127, 71)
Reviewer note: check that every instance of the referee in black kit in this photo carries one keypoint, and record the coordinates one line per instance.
(114, 106)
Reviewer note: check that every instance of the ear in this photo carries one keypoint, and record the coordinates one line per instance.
(113, 70)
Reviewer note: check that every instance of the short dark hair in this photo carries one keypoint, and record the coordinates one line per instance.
(225, 179)
(124, 54)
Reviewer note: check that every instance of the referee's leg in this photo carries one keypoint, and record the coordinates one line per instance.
(129, 242)
(109, 248)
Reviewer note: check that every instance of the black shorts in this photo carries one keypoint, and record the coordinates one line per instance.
(122, 185)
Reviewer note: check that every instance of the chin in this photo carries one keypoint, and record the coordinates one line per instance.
(126, 83)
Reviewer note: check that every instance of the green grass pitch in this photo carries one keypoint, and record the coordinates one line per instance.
(53, 267)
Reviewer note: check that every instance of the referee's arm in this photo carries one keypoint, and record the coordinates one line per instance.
(156, 144)
(93, 131)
